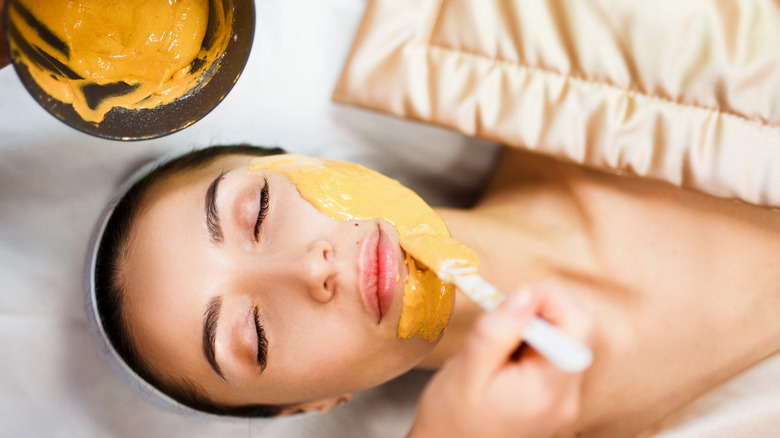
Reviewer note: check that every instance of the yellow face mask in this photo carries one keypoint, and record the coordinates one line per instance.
(347, 191)
(101, 54)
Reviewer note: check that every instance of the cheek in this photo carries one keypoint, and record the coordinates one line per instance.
(293, 220)
(319, 340)
(327, 354)
(356, 359)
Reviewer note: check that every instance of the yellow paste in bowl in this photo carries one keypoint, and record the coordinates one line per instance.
(347, 191)
(141, 51)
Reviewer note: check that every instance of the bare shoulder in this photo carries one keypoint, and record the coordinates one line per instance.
(675, 266)
(619, 210)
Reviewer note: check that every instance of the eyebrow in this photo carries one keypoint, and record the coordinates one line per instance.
(210, 333)
(212, 216)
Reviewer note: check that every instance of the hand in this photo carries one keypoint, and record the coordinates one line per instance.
(487, 391)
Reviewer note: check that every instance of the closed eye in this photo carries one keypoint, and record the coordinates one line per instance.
(262, 210)
(262, 342)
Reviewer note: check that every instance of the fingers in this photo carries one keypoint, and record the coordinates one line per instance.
(496, 335)
(560, 309)
(484, 391)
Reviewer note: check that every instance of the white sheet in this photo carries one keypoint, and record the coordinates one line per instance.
(54, 182)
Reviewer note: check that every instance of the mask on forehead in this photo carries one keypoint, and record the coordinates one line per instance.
(347, 191)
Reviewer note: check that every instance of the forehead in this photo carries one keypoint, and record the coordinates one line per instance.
(153, 261)
(163, 282)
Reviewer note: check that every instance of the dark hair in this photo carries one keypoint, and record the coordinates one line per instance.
(109, 290)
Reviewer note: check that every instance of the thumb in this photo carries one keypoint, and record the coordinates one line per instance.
(495, 336)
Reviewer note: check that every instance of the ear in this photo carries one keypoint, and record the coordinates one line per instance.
(323, 405)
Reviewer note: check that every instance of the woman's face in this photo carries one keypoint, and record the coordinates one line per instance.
(205, 280)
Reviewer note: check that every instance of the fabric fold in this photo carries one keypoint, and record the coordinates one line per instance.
(686, 93)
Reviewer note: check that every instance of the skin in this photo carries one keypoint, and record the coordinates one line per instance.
(302, 274)
(656, 269)
(489, 390)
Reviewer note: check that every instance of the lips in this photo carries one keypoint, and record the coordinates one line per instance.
(387, 263)
(379, 266)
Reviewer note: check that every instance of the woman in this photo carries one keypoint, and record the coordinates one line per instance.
(227, 290)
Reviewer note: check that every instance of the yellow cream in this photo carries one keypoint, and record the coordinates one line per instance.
(101, 54)
(347, 191)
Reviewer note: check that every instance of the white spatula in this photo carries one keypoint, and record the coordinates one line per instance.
(563, 351)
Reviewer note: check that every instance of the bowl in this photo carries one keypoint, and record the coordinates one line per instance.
(43, 59)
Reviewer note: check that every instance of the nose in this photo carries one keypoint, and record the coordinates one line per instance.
(316, 271)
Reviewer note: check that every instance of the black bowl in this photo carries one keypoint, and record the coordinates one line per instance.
(126, 124)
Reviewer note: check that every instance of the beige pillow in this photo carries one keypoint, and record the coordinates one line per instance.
(686, 92)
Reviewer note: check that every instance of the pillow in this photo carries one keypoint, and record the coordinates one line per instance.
(683, 92)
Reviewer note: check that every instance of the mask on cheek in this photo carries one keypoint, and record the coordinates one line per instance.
(347, 191)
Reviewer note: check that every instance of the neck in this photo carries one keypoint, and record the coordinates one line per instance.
(512, 253)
